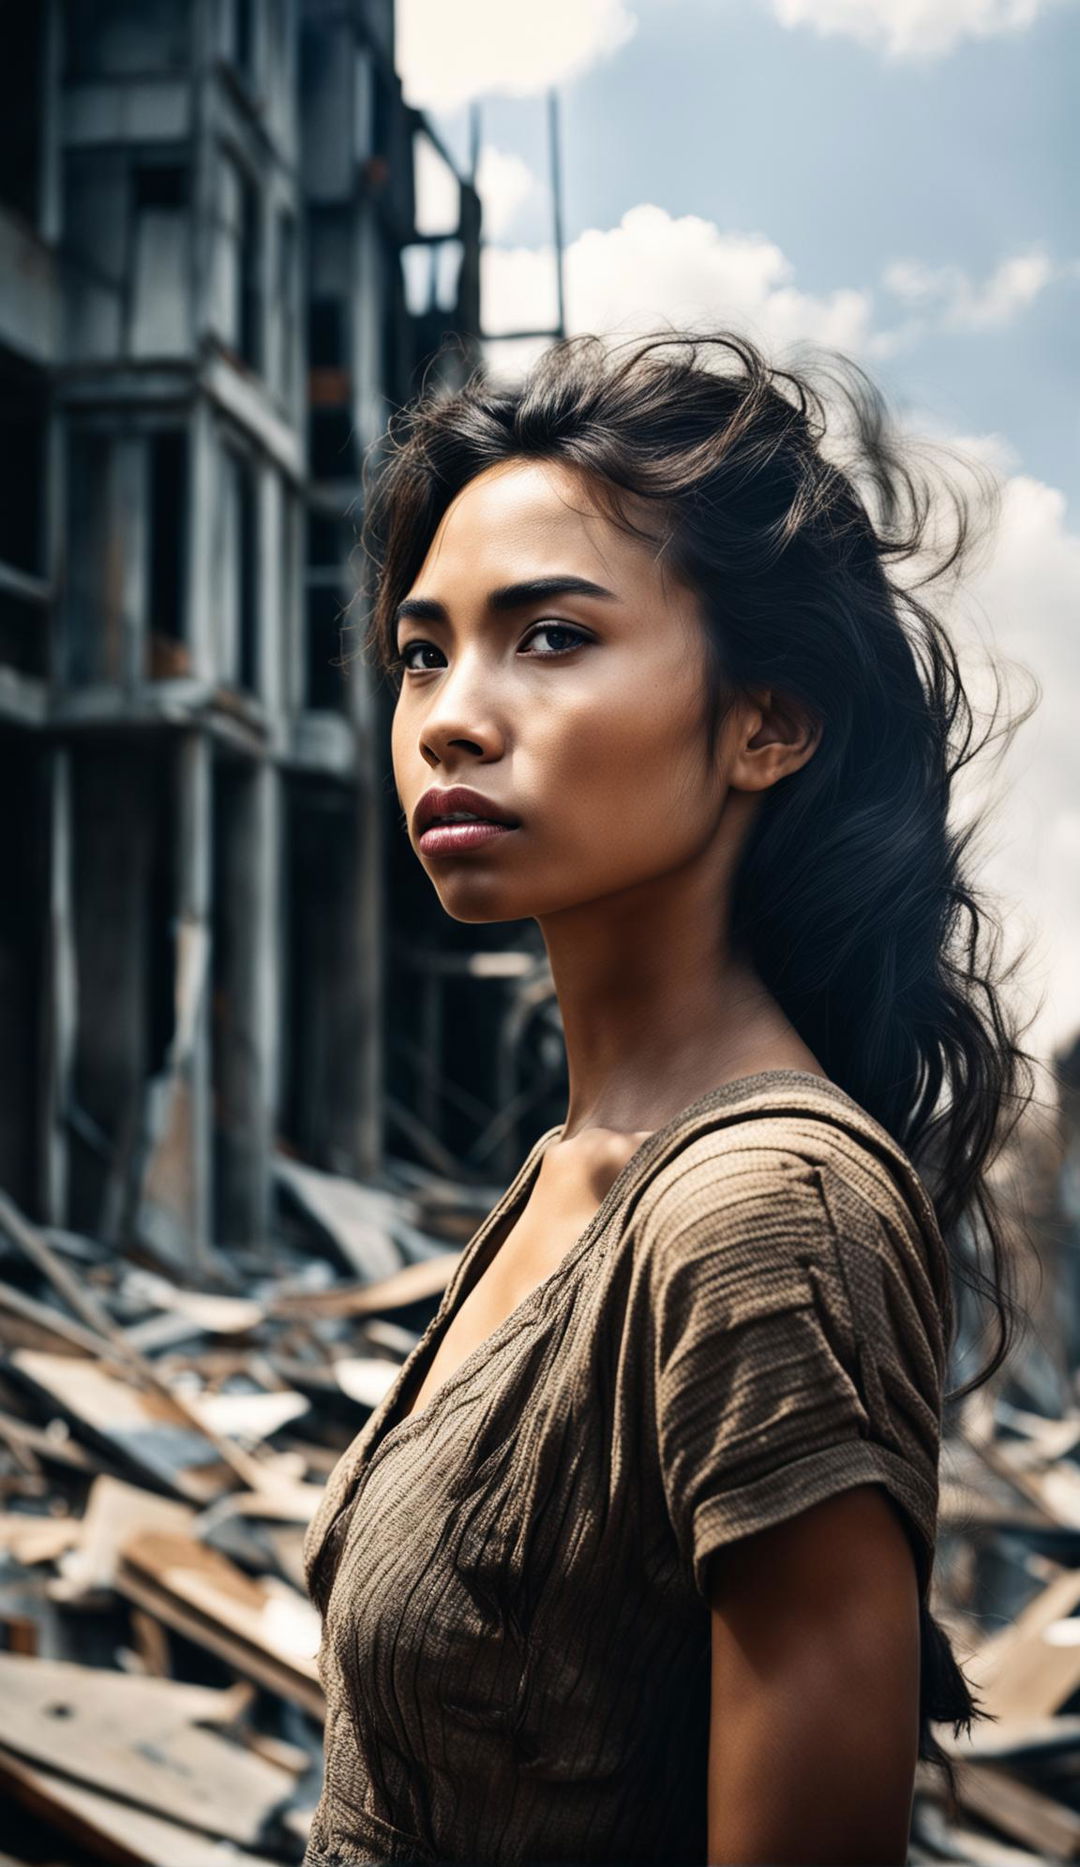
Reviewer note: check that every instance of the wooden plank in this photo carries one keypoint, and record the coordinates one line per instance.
(264, 1628)
(37, 1539)
(1020, 1673)
(250, 1416)
(1050, 1828)
(145, 1429)
(130, 1837)
(57, 1448)
(114, 1511)
(35, 1246)
(413, 1284)
(51, 1327)
(135, 1739)
(357, 1220)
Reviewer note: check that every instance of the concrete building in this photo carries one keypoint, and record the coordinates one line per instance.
(213, 289)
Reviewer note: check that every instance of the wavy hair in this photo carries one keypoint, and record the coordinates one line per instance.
(853, 896)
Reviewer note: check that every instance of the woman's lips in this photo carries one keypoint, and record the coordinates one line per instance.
(450, 839)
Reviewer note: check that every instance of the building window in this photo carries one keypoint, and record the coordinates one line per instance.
(93, 635)
(326, 333)
(247, 579)
(166, 549)
(250, 272)
(239, 662)
(240, 40)
(239, 295)
(21, 109)
(324, 685)
(324, 541)
(285, 307)
(160, 272)
(23, 416)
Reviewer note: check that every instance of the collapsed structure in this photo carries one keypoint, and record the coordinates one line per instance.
(220, 276)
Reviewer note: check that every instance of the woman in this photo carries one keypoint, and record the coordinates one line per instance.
(632, 1563)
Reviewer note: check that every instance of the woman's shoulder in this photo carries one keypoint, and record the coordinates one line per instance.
(787, 1156)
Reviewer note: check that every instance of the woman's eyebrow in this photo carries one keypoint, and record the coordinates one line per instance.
(509, 596)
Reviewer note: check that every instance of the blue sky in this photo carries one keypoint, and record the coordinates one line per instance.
(896, 177)
(848, 160)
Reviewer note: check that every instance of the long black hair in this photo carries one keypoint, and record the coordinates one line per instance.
(791, 508)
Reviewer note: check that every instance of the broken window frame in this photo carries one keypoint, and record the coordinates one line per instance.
(239, 220)
(116, 499)
(240, 647)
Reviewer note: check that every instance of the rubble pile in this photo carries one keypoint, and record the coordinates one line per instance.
(162, 1449)
(164, 1442)
(1007, 1588)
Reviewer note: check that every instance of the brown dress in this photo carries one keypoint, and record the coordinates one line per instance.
(513, 1580)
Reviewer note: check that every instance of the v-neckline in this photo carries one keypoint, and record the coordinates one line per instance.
(509, 1206)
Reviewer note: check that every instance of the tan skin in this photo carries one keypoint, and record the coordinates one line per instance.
(587, 730)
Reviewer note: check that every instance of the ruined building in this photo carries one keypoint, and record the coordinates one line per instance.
(214, 286)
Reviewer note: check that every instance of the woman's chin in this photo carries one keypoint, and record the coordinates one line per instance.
(471, 898)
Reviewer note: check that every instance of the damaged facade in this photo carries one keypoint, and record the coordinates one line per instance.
(214, 292)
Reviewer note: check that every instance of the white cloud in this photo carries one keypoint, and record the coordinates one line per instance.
(1022, 604)
(505, 183)
(449, 54)
(958, 303)
(656, 267)
(437, 189)
(913, 29)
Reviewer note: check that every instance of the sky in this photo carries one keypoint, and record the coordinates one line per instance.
(890, 178)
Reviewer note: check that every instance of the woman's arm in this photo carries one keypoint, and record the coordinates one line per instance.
(815, 1689)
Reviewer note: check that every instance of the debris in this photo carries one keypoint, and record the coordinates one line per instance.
(143, 1741)
(162, 1450)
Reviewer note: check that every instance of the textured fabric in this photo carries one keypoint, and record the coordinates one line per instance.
(513, 1580)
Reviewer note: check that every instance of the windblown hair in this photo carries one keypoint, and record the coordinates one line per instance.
(853, 898)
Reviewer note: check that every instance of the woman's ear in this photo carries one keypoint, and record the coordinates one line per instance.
(772, 736)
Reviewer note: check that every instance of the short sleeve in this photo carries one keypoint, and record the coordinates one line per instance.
(796, 1349)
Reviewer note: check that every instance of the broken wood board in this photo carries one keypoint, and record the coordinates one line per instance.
(208, 1312)
(267, 1630)
(146, 1429)
(366, 1378)
(26, 1323)
(950, 1840)
(1054, 1489)
(1032, 1667)
(357, 1220)
(137, 1739)
(250, 1416)
(119, 1832)
(45, 1442)
(961, 1506)
(414, 1284)
(289, 1503)
(114, 1511)
(33, 1539)
(1050, 1828)
(31, 1241)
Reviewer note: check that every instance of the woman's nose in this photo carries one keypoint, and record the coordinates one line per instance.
(463, 713)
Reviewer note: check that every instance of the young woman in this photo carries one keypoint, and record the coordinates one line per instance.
(632, 1563)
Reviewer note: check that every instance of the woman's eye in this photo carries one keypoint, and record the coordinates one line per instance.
(572, 638)
(403, 657)
(560, 628)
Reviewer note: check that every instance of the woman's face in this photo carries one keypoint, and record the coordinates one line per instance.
(578, 711)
